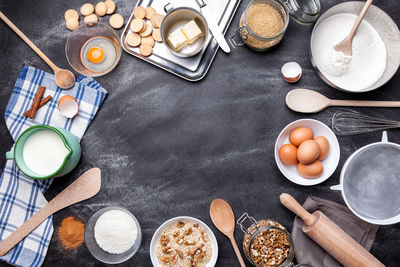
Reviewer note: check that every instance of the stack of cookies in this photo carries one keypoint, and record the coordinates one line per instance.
(92, 14)
(144, 34)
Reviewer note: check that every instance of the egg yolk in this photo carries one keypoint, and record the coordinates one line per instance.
(95, 55)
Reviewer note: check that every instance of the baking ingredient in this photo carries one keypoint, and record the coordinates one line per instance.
(156, 20)
(269, 248)
(95, 55)
(133, 39)
(43, 102)
(87, 9)
(71, 14)
(308, 151)
(266, 22)
(288, 154)
(139, 12)
(150, 12)
(71, 24)
(101, 9)
(91, 18)
(192, 31)
(71, 232)
(147, 31)
(111, 6)
(44, 152)
(98, 54)
(36, 102)
(184, 243)
(145, 50)
(368, 61)
(157, 35)
(291, 72)
(312, 170)
(299, 135)
(115, 231)
(137, 25)
(177, 39)
(116, 21)
(323, 144)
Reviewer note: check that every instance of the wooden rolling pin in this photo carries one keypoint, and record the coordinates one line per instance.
(331, 237)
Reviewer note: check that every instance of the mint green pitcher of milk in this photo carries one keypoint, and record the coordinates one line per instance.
(43, 152)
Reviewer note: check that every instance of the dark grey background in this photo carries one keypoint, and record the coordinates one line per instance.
(168, 147)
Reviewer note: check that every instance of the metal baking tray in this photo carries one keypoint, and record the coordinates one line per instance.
(193, 68)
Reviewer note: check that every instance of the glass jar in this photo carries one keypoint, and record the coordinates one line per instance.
(266, 243)
(256, 34)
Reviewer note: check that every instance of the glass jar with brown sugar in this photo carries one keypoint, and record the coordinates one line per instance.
(264, 22)
(266, 243)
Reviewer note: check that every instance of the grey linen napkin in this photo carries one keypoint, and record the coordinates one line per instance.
(307, 251)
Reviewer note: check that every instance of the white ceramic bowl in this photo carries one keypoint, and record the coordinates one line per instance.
(163, 226)
(330, 163)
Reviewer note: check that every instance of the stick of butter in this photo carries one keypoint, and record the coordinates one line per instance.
(177, 39)
(192, 31)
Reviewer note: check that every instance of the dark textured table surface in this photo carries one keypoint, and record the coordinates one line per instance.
(168, 147)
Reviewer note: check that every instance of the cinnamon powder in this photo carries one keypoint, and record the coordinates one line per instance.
(71, 232)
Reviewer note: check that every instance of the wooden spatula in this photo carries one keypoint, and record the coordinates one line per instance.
(223, 218)
(86, 186)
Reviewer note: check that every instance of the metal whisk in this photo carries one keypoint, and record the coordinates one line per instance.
(349, 123)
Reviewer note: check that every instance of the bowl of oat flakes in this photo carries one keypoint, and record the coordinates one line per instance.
(183, 241)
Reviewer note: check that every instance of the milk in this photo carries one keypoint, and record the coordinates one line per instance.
(44, 152)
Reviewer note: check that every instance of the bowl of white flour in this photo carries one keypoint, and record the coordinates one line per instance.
(113, 235)
(376, 47)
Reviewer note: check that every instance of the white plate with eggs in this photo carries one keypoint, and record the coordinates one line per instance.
(329, 164)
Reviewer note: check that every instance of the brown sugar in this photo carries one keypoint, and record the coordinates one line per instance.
(71, 232)
(266, 22)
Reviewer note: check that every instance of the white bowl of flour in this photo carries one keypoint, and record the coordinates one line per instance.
(375, 48)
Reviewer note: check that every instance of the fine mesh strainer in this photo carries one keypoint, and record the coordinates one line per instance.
(370, 182)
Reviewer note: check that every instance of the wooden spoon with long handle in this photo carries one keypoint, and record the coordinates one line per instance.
(346, 46)
(309, 101)
(223, 218)
(86, 186)
(65, 79)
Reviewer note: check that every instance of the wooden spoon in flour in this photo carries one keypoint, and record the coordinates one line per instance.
(346, 46)
(86, 186)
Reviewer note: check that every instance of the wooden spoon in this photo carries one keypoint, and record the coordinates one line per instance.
(65, 79)
(86, 186)
(346, 46)
(223, 218)
(309, 101)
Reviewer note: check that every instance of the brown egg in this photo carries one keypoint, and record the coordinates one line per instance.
(308, 151)
(288, 154)
(299, 135)
(312, 170)
(323, 147)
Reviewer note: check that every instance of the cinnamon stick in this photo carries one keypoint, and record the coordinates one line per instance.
(43, 102)
(36, 101)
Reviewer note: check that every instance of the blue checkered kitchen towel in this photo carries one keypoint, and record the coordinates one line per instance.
(20, 196)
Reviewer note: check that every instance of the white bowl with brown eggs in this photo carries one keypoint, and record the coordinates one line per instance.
(181, 240)
(329, 163)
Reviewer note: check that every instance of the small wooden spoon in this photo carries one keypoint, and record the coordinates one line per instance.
(65, 79)
(309, 101)
(346, 46)
(86, 186)
(223, 218)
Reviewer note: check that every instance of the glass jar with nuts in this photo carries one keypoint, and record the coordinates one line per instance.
(266, 243)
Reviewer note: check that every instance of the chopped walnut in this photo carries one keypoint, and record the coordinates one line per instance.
(203, 236)
(195, 225)
(167, 250)
(176, 234)
(165, 259)
(173, 259)
(188, 232)
(180, 253)
(201, 255)
(164, 240)
(180, 224)
(189, 242)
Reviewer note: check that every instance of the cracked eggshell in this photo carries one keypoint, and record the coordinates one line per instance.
(291, 72)
(68, 106)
